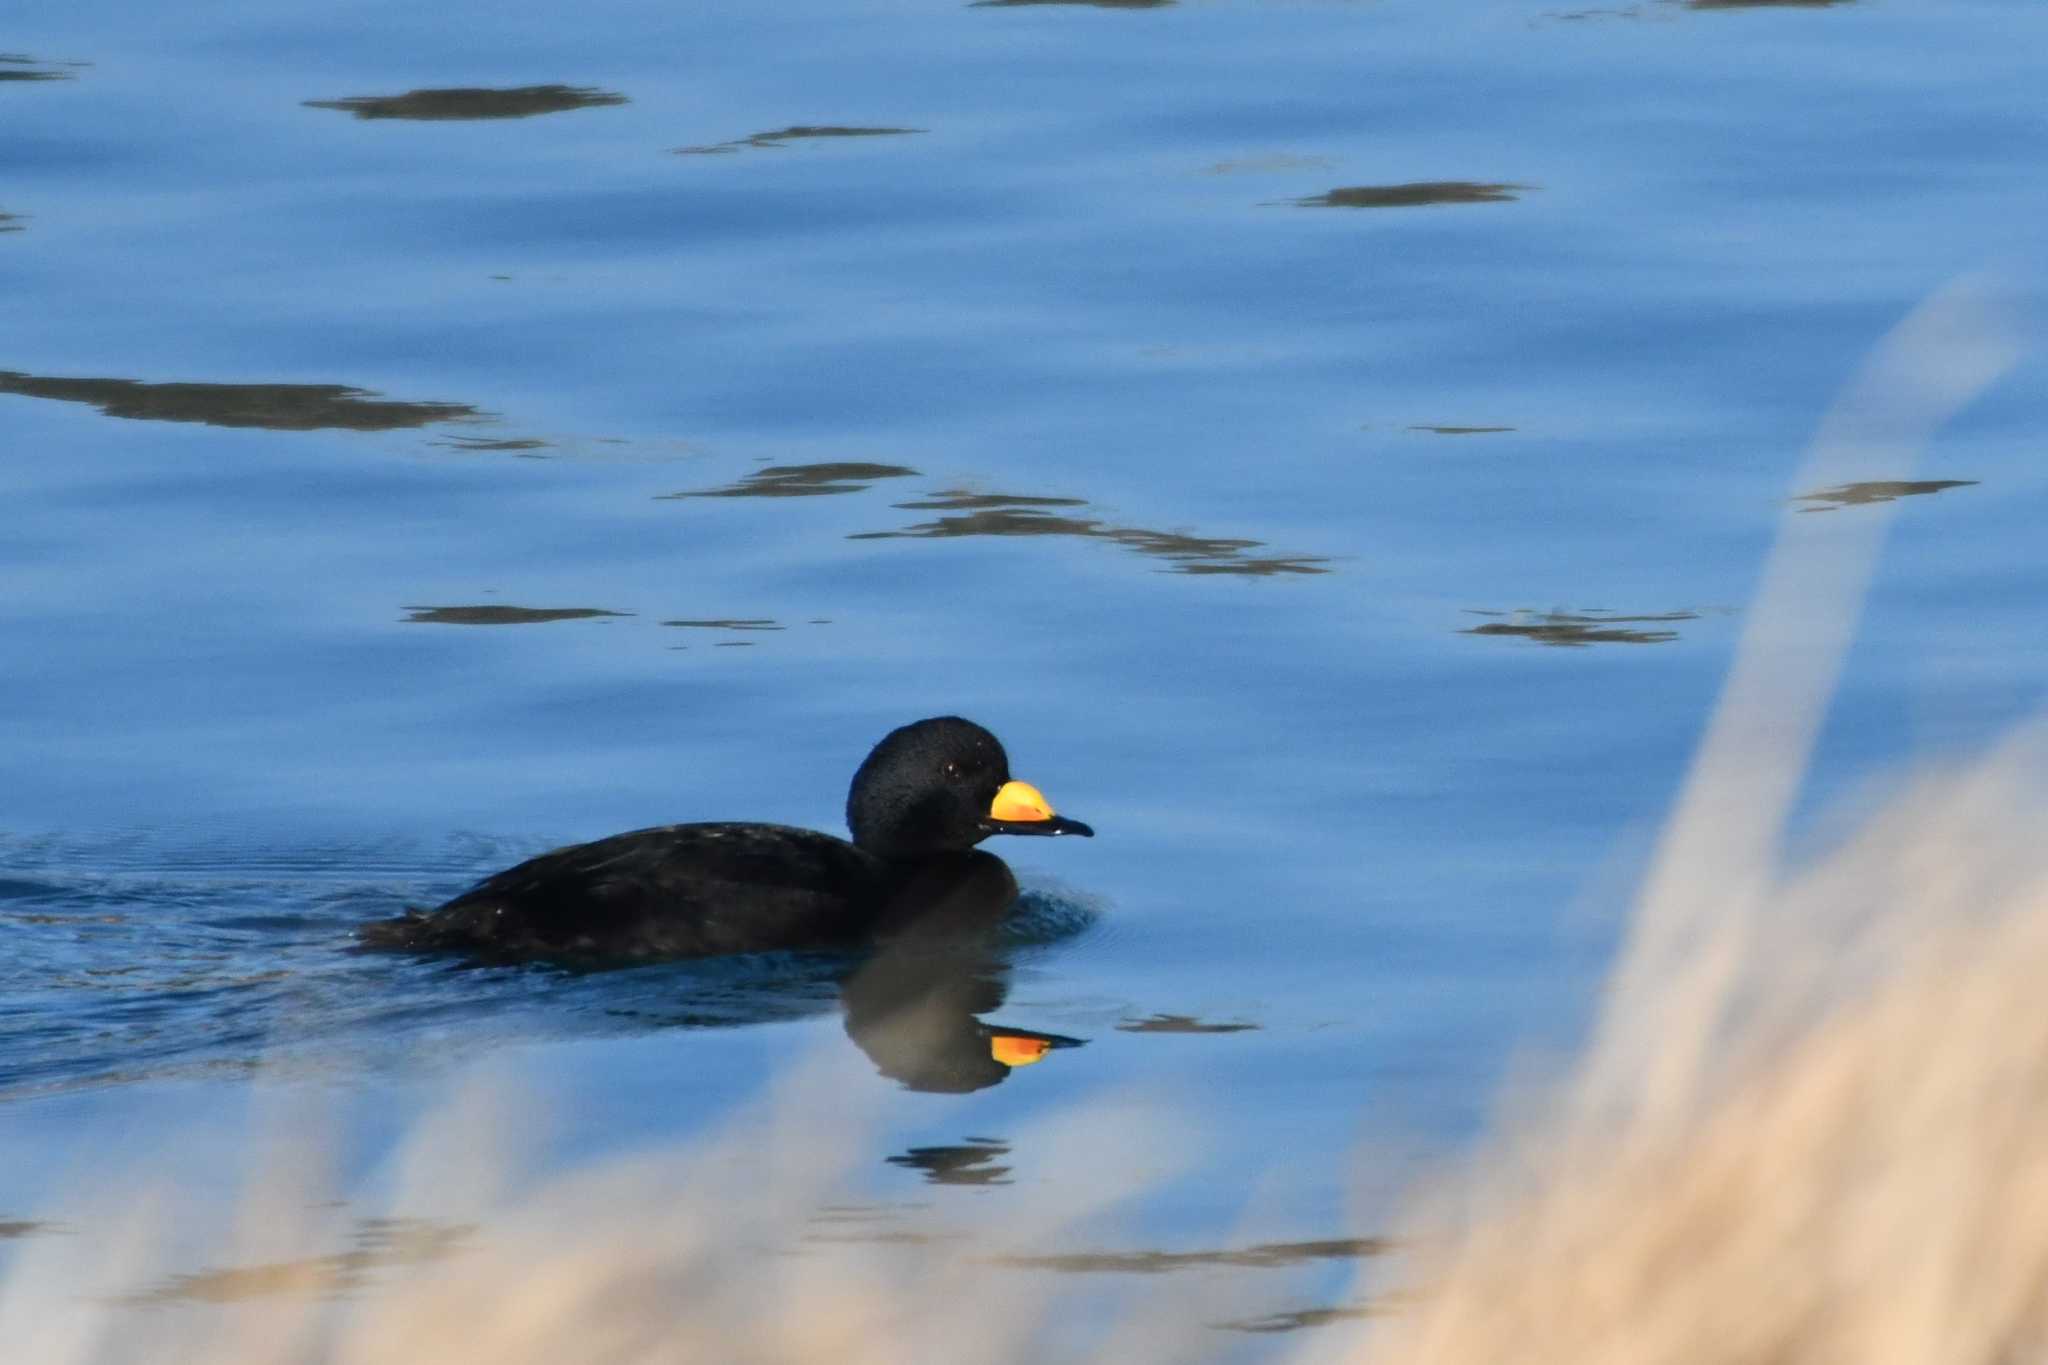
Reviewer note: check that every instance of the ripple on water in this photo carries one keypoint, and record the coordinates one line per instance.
(135, 958)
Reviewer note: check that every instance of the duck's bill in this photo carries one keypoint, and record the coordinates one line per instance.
(1020, 808)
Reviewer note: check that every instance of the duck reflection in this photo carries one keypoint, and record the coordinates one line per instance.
(782, 137)
(472, 102)
(273, 407)
(10, 222)
(915, 1005)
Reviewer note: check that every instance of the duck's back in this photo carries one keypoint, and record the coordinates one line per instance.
(672, 891)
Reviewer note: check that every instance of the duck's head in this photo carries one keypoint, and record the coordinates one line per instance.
(940, 786)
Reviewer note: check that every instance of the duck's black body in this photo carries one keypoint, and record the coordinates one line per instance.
(926, 794)
(675, 891)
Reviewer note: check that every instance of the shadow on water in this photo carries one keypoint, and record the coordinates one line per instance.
(1182, 1023)
(273, 407)
(375, 1244)
(782, 137)
(1415, 194)
(10, 222)
(1765, 4)
(1572, 630)
(1876, 491)
(1008, 514)
(16, 66)
(1458, 431)
(732, 623)
(490, 615)
(1090, 4)
(486, 445)
(1297, 1319)
(12, 1229)
(801, 481)
(1274, 163)
(472, 102)
(1263, 1256)
(972, 1161)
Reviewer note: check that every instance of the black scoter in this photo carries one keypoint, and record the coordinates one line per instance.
(923, 797)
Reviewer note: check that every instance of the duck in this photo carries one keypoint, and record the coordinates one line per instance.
(919, 803)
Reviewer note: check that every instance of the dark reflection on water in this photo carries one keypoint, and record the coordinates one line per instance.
(1577, 629)
(1181, 1023)
(1765, 4)
(1272, 164)
(375, 1243)
(1009, 514)
(1460, 431)
(1264, 1256)
(783, 136)
(973, 1161)
(1415, 194)
(1875, 491)
(740, 624)
(473, 102)
(10, 222)
(489, 615)
(865, 1223)
(1091, 4)
(1295, 1320)
(12, 1228)
(486, 445)
(802, 481)
(15, 66)
(274, 407)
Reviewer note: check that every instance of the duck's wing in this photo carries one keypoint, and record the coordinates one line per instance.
(668, 892)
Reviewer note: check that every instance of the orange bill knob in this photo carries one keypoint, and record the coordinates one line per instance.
(1020, 808)
(1020, 801)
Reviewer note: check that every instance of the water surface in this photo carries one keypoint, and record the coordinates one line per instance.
(1331, 443)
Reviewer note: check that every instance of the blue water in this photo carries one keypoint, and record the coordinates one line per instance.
(1332, 444)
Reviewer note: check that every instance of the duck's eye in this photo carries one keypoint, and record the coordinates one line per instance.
(952, 769)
